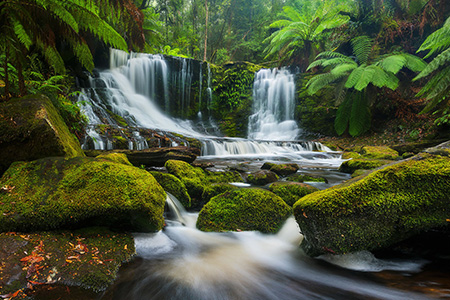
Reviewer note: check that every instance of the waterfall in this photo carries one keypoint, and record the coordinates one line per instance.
(273, 106)
(127, 95)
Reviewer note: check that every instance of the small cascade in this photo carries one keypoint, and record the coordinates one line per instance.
(273, 106)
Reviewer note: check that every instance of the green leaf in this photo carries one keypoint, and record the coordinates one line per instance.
(360, 118)
(343, 115)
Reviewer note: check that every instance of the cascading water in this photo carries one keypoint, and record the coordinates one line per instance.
(273, 106)
(132, 87)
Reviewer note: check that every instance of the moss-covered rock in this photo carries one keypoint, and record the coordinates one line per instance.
(379, 152)
(262, 177)
(197, 180)
(291, 192)
(372, 212)
(216, 189)
(89, 258)
(304, 178)
(284, 169)
(173, 185)
(244, 209)
(120, 158)
(55, 193)
(352, 165)
(31, 128)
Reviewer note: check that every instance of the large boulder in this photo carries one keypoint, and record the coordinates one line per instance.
(384, 207)
(173, 185)
(262, 177)
(290, 192)
(244, 209)
(198, 180)
(31, 128)
(55, 193)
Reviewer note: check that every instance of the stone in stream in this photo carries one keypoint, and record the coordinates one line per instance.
(379, 209)
(244, 209)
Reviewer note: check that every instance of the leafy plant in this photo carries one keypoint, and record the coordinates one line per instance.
(438, 87)
(301, 31)
(352, 75)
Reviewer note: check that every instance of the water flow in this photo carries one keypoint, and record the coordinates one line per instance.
(182, 262)
(273, 106)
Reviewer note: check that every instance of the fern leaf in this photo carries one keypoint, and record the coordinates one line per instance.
(320, 81)
(436, 63)
(360, 117)
(343, 115)
(22, 35)
(393, 63)
(365, 78)
(331, 54)
(61, 12)
(343, 69)
(354, 77)
(362, 46)
(438, 40)
(414, 63)
(380, 77)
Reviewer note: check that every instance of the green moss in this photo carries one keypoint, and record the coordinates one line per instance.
(65, 193)
(284, 169)
(173, 185)
(352, 165)
(350, 154)
(31, 128)
(120, 142)
(385, 207)
(290, 192)
(244, 209)
(359, 172)
(304, 178)
(262, 177)
(196, 180)
(120, 158)
(216, 189)
(379, 152)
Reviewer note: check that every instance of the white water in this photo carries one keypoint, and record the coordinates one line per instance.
(182, 262)
(273, 106)
(129, 89)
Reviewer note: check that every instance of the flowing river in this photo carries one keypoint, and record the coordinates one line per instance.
(182, 262)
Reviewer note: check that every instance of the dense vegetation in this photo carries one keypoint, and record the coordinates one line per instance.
(351, 47)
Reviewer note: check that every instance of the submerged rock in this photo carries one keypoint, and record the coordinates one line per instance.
(56, 193)
(31, 128)
(281, 169)
(378, 210)
(244, 209)
(291, 192)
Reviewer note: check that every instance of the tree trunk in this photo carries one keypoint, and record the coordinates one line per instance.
(206, 29)
(22, 88)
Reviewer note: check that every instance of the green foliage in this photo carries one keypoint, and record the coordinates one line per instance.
(303, 29)
(356, 73)
(437, 88)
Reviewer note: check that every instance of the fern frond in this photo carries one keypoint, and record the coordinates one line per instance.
(414, 63)
(55, 8)
(22, 35)
(343, 115)
(354, 77)
(320, 81)
(440, 60)
(438, 40)
(316, 63)
(380, 77)
(331, 54)
(392, 63)
(362, 46)
(343, 69)
(291, 13)
(280, 24)
(360, 117)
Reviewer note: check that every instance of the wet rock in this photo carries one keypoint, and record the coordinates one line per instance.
(54, 193)
(262, 177)
(173, 185)
(379, 209)
(31, 128)
(281, 169)
(291, 192)
(157, 157)
(244, 209)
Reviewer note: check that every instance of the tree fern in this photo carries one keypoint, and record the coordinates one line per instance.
(360, 117)
(362, 46)
(438, 40)
(320, 81)
(343, 115)
(440, 60)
